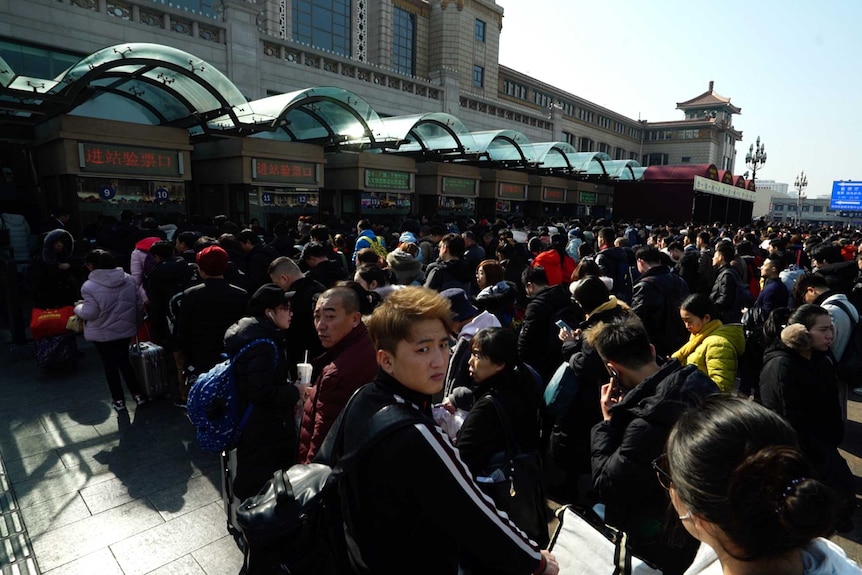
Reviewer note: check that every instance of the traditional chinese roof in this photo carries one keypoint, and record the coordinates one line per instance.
(709, 99)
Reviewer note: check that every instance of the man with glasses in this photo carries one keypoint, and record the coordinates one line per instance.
(639, 406)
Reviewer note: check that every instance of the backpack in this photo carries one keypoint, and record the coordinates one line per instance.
(850, 363)
(296, 523)
(214, 406)
(788, 277)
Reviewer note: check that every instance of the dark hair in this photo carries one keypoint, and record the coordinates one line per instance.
(372, 273)
(607, 235)
(535, 275)
(188, 238)
(320, 233)
(649, 254)
(101, 259)
(699, 305)
(586, 267)
(805, 281)
(826, 253)
(624, 341)
(494, 271)
(163, 249)
(703, 237)
(590, 293)
(726, 250)
(777, 261)
(353, 297)
(455, 244)
(367, 256)
(248, 236)
(498, 344)
(781, 317)
(363, 225)
(737, 464)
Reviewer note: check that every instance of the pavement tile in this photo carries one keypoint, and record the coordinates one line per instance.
(182, 498)
(56, 512)
(170, 540)
(20, 446)
(101, 562)
(220, 557)
(14, 426)
(33, 467)
(60, 482)
(185, 565)
(81, 538)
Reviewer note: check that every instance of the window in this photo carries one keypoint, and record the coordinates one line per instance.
(568, 107)
(480, 30)
(634, 156)
(570, 139)
(514, 89)
(817, 209)
(586, 116)
(791, 207)
(324, 24)
(805, 207)
(479, 76)
(586, 145)
(542, 100)
(779, 207)
(686, 159)
(655, 160)
(403, 41)
(36, 62)
(604, 148)
(604, 122)
(620, 154)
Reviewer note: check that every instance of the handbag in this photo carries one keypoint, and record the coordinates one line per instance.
(561, 390)
(513, 479)
(583, 544)
(75, 324)
(48, 322)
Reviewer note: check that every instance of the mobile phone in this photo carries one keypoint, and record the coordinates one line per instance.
(563, 325)
(617, 390)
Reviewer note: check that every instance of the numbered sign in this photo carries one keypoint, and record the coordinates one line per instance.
(266, 197)
(302, 199)
(162, 195)
(107, 193)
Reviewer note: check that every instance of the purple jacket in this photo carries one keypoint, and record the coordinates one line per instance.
(112, 305)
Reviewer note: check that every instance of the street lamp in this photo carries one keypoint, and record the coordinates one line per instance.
(800, 184)
(755, 158)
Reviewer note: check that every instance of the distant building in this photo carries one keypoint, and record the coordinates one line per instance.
(766, 189)
(782, 208)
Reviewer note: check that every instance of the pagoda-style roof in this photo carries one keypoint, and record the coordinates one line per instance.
(709, 99)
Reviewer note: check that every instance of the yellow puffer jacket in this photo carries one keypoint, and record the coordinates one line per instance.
(715, 351)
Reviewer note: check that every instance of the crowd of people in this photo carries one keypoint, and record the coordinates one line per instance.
(469, 321)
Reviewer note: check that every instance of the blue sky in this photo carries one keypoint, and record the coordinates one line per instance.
(793, 67)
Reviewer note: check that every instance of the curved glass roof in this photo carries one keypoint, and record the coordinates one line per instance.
(621, 169)
(436, 132)
(551, 155)
(503, 146)
(589, 163)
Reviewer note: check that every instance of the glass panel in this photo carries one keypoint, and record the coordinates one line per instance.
(403, 41)
(113, 107)
(323, 24)
(6, 73)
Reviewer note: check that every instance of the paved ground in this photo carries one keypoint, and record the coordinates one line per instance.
(95, 493)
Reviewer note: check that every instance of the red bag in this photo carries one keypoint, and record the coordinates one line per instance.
(48, 322)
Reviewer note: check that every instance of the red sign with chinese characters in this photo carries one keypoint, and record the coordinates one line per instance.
(266, 170)
(128, 160)
(512, 191)
(554, 195)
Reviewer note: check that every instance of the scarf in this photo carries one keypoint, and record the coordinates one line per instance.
(696, 339)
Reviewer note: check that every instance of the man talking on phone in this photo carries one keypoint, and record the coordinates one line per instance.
(639, 406)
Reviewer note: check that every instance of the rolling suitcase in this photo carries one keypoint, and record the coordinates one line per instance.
(148, 361)
(228, 468)
(57, 351)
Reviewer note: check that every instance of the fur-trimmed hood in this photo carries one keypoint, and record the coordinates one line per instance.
(51, 238)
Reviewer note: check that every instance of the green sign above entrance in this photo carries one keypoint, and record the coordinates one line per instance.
(459, 186)
(386, 180)
(587, 198)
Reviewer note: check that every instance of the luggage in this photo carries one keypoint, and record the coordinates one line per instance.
(228, 473)
(57, 351)
(148, 361)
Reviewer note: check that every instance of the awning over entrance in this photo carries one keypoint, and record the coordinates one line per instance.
(551, 156)
(435, 135)
(505, 147)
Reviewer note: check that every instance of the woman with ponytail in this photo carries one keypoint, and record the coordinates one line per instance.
(740, 485)
(557, 263)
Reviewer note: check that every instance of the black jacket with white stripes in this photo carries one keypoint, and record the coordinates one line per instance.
(413, 505)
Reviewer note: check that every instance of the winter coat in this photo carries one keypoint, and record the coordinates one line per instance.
(570, 437)
(458, 374)
(624, 447)
(724, 294)
(268, 442)
(558, 268)
(166, 279)
(206, 311)
(656, 300)
(614, 262)
(411, 493)
(328, 272)
(301, 336)
(715, 351)
(19, 235)
(112, 306)
(54, 287)
(341, 370)
(449, 274)
(538, 345)
(365, 239)
(839, 276)
(819, 557)
(256, 266)
(407, 269)
(773, 296)
(841, 321)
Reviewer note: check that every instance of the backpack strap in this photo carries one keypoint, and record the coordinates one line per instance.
(846, 311)
(247, 413)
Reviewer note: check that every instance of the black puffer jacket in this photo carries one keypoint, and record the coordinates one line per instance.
(615, 263)
(206, 311)
(656, 300)
(53, 286)
(268, 442)
(624, 447)
(538, 344)
(301, 336)
(450, 274)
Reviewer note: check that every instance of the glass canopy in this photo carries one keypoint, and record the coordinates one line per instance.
(551, 155)
(503, 146)
(437, 132)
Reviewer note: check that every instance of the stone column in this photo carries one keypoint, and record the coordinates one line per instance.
(243, 47)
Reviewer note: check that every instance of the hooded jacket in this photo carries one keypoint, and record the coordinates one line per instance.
(614, 263)
(538, 345)
(453, 273)
(53, 286)
(112, 305)
(458, 375)
(715, 351)
(341, 370)
(268, 442)
(841, 320)
(656, 298)
(407, 269)
(558, 268)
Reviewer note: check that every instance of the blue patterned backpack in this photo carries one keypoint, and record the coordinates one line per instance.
(214, 406)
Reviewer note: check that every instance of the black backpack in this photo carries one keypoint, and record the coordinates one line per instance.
(849, 364)
(295, 524)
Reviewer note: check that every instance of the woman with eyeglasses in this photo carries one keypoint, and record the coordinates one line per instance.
(739, 484)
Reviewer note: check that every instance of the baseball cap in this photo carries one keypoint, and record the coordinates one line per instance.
(212, 260)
